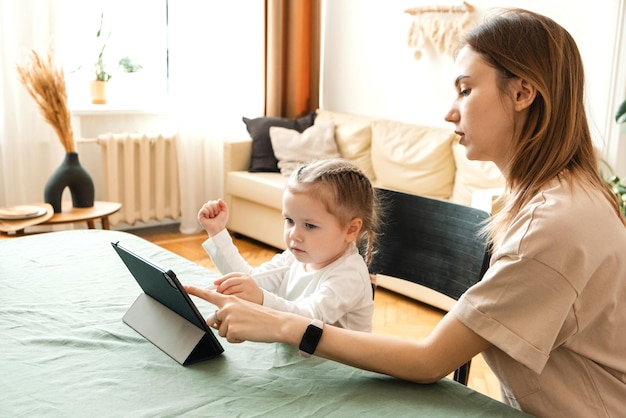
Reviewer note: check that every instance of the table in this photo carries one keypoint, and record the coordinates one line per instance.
(69, 214)
(99, 210)
(17, 226)
(66, 352)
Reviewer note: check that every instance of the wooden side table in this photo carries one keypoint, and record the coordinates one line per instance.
(17, 226)
(99, 210)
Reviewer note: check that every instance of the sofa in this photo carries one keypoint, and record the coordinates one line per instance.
(412, 158)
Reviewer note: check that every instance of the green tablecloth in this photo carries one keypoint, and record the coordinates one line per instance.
(66, 352)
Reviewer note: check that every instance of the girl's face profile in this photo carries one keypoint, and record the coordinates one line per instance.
(483, 115)
(311, 233)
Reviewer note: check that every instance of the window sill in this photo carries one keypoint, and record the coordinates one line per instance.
(88, 109)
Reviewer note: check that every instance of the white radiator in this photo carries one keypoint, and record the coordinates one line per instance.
(141, 172)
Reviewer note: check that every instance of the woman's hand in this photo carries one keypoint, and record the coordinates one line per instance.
(240, 285)
(239, 320)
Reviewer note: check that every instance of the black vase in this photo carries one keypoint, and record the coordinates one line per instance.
(70, 174)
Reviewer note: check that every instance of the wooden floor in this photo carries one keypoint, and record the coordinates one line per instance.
(394, 314)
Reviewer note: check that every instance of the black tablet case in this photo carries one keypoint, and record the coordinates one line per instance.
(164, 313)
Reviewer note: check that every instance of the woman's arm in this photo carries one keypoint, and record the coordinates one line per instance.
(449, 345)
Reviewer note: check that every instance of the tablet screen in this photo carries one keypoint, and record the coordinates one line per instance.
(162, 285)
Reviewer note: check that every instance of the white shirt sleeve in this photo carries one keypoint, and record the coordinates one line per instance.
(225, 254)
(340, 294)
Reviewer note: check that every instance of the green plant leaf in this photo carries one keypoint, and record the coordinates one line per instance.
(100, 28)
(129, 66)
(620, 115)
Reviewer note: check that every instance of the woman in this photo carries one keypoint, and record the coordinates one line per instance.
(549, 315)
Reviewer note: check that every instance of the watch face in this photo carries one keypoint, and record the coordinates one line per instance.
(310, 339)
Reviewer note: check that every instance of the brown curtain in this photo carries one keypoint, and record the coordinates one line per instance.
(292, 68)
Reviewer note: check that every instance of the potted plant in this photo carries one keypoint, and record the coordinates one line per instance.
(44, 80)
(130, 83)
(129, 66)
(616, 183)
(98, 87)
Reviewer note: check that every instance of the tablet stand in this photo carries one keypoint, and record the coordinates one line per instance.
(173, 334)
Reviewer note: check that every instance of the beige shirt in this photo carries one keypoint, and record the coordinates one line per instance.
(553, 304)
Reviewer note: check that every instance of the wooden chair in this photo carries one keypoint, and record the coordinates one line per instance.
(431, 247)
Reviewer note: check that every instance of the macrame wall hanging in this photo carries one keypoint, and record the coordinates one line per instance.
(442, 26)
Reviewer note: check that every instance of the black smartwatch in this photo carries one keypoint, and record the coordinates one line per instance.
(311, 338)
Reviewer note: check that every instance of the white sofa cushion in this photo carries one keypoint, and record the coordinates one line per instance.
(292, 148)
(413, 158)
(353, 136)
(472, 176)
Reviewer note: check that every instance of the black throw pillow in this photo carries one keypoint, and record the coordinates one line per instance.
(263, 158)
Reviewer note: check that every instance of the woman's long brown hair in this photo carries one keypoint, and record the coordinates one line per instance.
(555, 137)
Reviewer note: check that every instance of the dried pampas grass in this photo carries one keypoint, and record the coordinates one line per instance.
(45, 82)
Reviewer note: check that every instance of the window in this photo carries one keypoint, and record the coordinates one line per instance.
(135, 29)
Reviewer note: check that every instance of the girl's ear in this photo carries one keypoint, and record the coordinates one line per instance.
(354, 227)
(524, 94)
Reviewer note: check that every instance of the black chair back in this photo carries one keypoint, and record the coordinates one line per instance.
(433, 243)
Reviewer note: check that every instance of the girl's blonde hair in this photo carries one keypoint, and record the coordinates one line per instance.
(345, 192)
(555, 138)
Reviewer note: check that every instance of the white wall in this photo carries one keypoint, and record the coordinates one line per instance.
(368, 68)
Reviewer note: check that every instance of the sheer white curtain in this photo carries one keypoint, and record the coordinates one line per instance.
(29, 148)
(216, 61)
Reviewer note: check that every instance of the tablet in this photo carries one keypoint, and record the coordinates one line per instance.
(162, 285)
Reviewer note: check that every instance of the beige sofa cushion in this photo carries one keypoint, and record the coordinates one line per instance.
(353, 135)
(472, 176)
(413, 158)
(263, 188)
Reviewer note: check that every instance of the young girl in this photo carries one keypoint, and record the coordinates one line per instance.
(549, 315)
(330, 210)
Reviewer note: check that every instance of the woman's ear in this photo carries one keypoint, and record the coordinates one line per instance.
(524, 94)
(354, 228)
